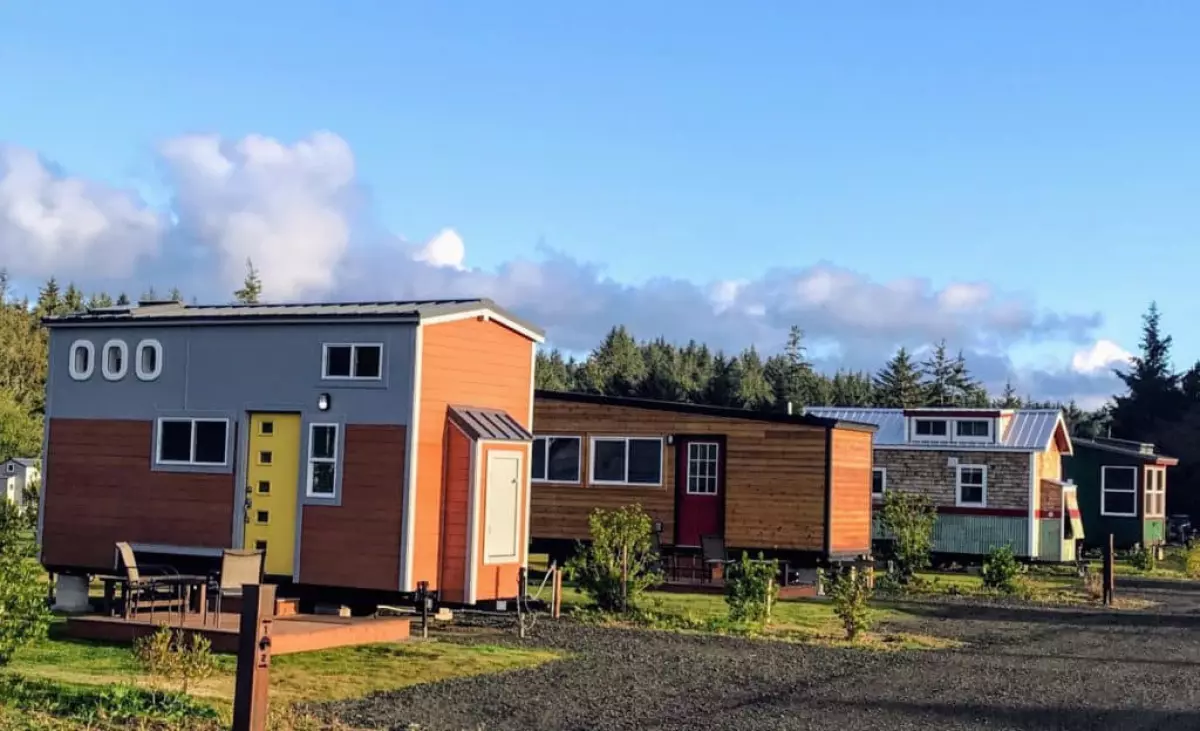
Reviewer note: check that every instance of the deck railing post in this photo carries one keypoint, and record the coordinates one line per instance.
(1109, 572)
(253, 658)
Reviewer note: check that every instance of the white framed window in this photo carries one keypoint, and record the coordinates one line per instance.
(971, 486)
(557, 459)
(10, 467)
(181, 441)
(878, 481)
(114, 361)
(1156, 492)
(627, 461)
(352, 361)
(1118, 491)
(148, 360)
(322, 460)
(83, 360)
(930, 429)
(703, 461)
(971, 430)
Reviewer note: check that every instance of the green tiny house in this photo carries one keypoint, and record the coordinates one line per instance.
(1122, 487)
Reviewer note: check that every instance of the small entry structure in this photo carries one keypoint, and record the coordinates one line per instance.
(1122, 487)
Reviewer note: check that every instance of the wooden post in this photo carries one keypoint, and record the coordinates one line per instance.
(423, 597)
(1109, 572)
(556, 593)
(253, 658)
(624, 579)
(522, 588)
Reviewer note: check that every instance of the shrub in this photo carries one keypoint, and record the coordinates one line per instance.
(849, 591)
(1001, 569)
(751, 589)
(24, 616)
(1191, 563)
(168, 655)
(909, 519)
(1143, 558)
(619, 564)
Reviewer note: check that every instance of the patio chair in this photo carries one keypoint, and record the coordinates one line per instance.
(712, 549)
(143, 582)
(238, 568)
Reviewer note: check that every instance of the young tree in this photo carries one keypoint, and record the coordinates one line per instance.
(898, 384)
(1008, 397)
(1153, 394)
(72, 300)
(967, 391)
(102, 299)
(938, 378)
(908, 519)
(251, 288)
(49, 300)
(175, 295)
(663, 379)
(619, 564)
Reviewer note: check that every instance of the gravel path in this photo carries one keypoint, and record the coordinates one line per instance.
(1023, 669)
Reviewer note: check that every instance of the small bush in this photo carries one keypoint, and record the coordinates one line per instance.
(1093, 585)
(1001, 569)
(618, 565)
(909, 519)
(849, 592)
(168, 656)
(751, 589)
(1143, 558)
(1191, 564)
(888, 585)
(24, 616)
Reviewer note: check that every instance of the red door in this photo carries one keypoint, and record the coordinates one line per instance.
(699, 489)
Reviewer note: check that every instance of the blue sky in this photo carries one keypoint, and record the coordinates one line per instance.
(1045, 149)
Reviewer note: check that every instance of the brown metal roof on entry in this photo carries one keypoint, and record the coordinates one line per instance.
(492, 424)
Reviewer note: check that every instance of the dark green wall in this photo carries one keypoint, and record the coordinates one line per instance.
(1084, 469)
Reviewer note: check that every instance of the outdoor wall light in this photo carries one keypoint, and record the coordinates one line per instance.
(323, 402)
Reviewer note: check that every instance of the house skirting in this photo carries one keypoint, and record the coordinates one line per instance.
(976, 534)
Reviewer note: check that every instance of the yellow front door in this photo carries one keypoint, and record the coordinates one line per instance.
(273, 488)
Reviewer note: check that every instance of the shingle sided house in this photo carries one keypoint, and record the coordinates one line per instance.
(994, 475)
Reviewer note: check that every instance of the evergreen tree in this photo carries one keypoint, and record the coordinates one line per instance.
(616, 368)
(791, 375)
(122, 299)
(898, 384)
(967, 391)
(101, 299)
(851, 388)
(753, 390)
(251, 287)
(150, 295)
(72, 300)
(695, 372)
(175, 295)
(552, 373)
(938, 384)
(49, 300)
(663, 379)
(1153, 394)
(4, 285)
(722, 388)
(1008, 397)
(1190, 384)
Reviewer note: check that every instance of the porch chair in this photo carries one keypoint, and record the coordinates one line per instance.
(662, 563)
(145, 581)
(712, 549)
(238, 568)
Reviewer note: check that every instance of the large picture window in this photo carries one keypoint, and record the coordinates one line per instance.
(322, 460)
(1156, 493)
(971, 486)
(352, 361)
(556, 459)
(192, 441)
(627, 461)
(1118, 491)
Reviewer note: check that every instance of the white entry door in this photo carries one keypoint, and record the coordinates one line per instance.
(503, 522)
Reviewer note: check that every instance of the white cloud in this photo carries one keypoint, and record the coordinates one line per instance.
(52, 223)
(1102, 355)
(444, 250)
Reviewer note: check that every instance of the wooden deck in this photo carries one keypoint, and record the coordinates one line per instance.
(297, 633)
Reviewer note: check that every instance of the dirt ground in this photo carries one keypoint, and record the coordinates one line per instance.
(1022, 668)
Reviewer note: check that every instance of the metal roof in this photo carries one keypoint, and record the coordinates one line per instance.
(160, 312)
(1139, 450)
(27, 461)
(479, 423)
(1029, 429)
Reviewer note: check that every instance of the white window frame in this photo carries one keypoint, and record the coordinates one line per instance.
(991, 427)
(91, 351)
(337, 452)
(353, 361)
(10, 468)
(546, 458)
(142, 374)
(883, 483)
(932, 437)
(716, 470)
(625, 483)
(124, 350)
(1105, 489)
(1158, 475)
(191, 462)
(958, 486)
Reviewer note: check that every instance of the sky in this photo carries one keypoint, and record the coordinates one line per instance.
(1016, 178)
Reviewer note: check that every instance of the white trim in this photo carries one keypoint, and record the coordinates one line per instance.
(1033, 538)
(960, 447)
(310, 460)
(883, 491)
(1161, 484)
(192, 454)
(123, 349)
(91, 361)
(1105, 489)
(624, 483)
(943, 437)
(958, 485)
(353, 361)
(546, 459)
(987, 438)
(473, 526)
(156, 346)
(410, 478)
(687, 471)
(520, 455)
(487, 314)
(529, 465)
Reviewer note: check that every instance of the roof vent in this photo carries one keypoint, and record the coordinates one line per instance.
(158, 303)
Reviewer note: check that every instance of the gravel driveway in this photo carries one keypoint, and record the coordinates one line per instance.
(1022, 669)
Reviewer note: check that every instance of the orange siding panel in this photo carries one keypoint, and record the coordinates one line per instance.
(850, 513)
(456, 518)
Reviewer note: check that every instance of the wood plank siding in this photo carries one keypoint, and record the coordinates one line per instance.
(472, 362)
(850, 470)
(102, 490)
(357, 544)
(774, 481)
(456, 517)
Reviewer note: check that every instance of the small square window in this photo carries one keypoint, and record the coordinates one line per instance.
(367, 360)
(266, 428)
(262, 517)
(264, 486)
(264, 457)
(260, 545)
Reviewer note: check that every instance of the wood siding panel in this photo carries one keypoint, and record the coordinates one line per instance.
(472, 363)
(357, 544)
(929, 472)
(850, 529)
(498, 581)
(774, 484)
(456, 517)
(101, 490)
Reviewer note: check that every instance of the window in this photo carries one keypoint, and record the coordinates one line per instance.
(265, 457)
(262, 517)
(114, 363)
(260, 546)
(192, 441)
(930, 428)
(972, 486)
(703, 459)
(556, 459)
(264, 486)
(322, 460)
(266, 428)
(1118, 491)
(973, 429)
(83, 357)
(149, 360)
(878, 481)
(627, 461)
(10, 467)
(1156, 493)
(353, 361)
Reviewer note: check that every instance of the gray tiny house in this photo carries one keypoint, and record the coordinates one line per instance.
(1122, 488)
(16, 476)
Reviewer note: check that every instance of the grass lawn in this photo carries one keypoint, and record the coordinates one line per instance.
(1040, 586)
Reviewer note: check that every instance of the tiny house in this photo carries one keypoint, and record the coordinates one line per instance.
(1122, 489)
(783, 484)
(366, 447)
(17, 475)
